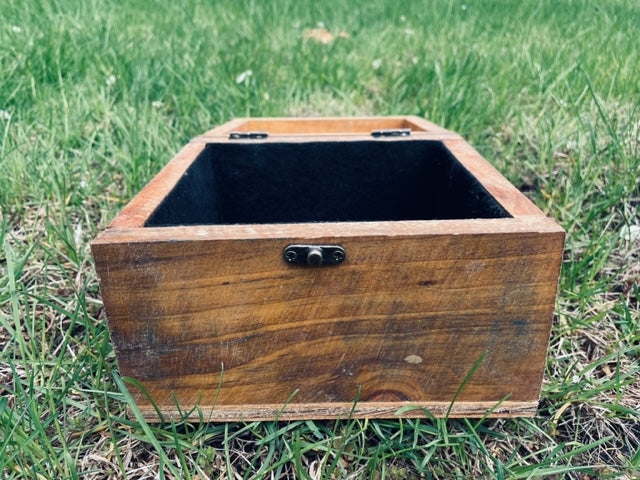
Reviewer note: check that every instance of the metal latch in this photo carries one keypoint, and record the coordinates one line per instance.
(391, 132)
(314, 255)
(247, 135)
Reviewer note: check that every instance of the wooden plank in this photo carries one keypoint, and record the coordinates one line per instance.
(325, 125)
(425, 125)
(328, 411)
(315, 231)
(328, 137)
(136, 212)
(498, 186)
(404, 318)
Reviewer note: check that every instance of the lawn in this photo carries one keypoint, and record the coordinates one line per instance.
(96, 95)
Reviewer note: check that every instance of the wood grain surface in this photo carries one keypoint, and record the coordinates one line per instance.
(402, 320)
(325, 125)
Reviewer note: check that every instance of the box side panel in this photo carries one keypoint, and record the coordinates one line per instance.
(403, 319)
(498, 186)
(324, 125)
(136, 212)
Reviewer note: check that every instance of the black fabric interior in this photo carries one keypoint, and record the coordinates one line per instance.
(372, 180)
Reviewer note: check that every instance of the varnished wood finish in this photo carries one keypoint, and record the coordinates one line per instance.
(327, 137)
(328, 129)
(212, 316)
(326, 125)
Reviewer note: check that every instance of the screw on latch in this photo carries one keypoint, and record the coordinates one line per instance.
(337, 256)
(291, 256)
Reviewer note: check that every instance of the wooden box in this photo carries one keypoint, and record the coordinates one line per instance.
(441, 300)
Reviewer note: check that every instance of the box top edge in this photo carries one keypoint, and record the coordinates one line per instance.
(519, 225)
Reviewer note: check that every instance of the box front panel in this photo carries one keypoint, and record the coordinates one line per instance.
(403, 319)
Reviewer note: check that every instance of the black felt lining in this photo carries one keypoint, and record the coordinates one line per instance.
(232, 183)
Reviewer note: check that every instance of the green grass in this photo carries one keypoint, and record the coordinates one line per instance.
(95, 96)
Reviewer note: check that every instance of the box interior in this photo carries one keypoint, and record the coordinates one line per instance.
(369, 180)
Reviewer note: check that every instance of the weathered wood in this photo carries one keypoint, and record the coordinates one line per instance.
(333, 410)
(403, 318)
(317, 231)
(211, 315)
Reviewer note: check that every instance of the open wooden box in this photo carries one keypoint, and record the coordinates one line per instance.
(419, 276)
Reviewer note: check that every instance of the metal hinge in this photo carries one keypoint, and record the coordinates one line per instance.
(247, 135)
(391, 132)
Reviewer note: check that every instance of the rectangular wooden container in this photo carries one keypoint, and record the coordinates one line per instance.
(443, 302)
